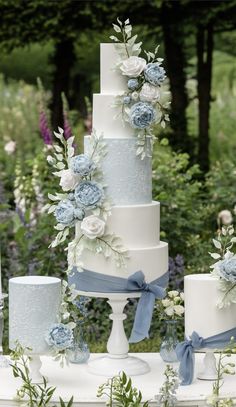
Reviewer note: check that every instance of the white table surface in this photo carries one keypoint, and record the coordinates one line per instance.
(75, 380)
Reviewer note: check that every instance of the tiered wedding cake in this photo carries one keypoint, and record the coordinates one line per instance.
(135, 218)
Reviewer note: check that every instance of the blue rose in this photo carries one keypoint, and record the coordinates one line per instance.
(133, 84)
(64, 212)
(88, 194)
(82, 165)
(154, 73)
(126, 100)
(142, 115)
(79, 213)
(227, 269)
(60, 336)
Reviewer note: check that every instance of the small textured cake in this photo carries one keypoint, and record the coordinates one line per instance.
(128, 179)
(34, 303)
(201, 312)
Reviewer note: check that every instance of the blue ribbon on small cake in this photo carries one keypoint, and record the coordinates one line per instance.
(185, 351)
(92, 281)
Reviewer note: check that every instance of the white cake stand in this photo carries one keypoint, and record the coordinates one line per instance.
(117, 359)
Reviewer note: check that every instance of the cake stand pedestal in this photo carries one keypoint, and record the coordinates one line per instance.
(117, 359)
(209, 371)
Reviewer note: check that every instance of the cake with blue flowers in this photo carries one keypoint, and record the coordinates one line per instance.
(134, 217)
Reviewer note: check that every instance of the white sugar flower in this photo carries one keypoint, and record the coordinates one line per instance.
(69, 179)
(149, 93)
(10, 147)
(93, 227)
(133, 66)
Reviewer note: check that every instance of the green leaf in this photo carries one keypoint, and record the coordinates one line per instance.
(216, 243)
(116, 28)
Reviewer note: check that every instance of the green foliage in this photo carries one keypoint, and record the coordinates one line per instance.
(33, 395)
(167, 392)
(120, 392)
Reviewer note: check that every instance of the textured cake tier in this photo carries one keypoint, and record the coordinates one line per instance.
(105, 120)
(152, 261)
(138, 225)
(128, 179)
(34, 303)
(201, 312)
(111, 82)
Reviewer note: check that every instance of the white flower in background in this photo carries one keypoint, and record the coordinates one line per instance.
(149, 93)
(169, 311)
(182, 296)
(173, 293)
(166, 302)
(93, 227)
(225, 217)
(69, 179)
(133, 66)
(10, 147)
(178, 309)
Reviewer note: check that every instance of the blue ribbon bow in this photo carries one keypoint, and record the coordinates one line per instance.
(96, 282)
(185, 351)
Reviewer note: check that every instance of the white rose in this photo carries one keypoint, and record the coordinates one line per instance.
(169, 311)
(69, 180)
(166, 302)
(133, 66)
(182, 296)
(173, 293)
(225, 217)
(149, 93)
(178, 309)
(93, 227)
(10, 147)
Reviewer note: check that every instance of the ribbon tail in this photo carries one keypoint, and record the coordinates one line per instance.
(143, 317)
(186, 367)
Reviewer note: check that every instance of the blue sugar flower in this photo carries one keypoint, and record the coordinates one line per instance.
(79, 213)
(133, 84)
(64, 212)
(227, 269)
(126, 100)
(154, 73)
(82, 165)
(142, 114)
(60, 336)
(88, 194)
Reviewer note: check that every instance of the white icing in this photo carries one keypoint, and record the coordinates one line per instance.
(105, 120)
(128, 179)
(138, 225)
(152, 261)
(201, 312)
(112, 82)
(33, 308)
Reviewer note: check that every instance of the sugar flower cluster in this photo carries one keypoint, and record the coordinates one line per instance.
(224, 267)
(82, 202)
(143, 103)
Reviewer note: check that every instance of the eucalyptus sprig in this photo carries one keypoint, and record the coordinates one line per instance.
(125, 43)
(120, 392)
(31, 394)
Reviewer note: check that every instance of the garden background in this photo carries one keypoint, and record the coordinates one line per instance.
(49, 69)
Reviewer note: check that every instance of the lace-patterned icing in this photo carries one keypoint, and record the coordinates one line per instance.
(128, 179)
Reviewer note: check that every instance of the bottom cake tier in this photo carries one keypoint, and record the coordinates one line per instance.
(202, 314)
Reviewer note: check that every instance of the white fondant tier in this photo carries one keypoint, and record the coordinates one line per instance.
(201, 312)
(128, 178)
(111, 80)
(138, 225)
(152, 261)
(107, 119)
(34, 303)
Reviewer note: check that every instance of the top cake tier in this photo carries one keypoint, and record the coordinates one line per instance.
(111, 81)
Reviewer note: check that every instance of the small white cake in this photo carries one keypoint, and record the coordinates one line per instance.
(34, 303)
(202, 315)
